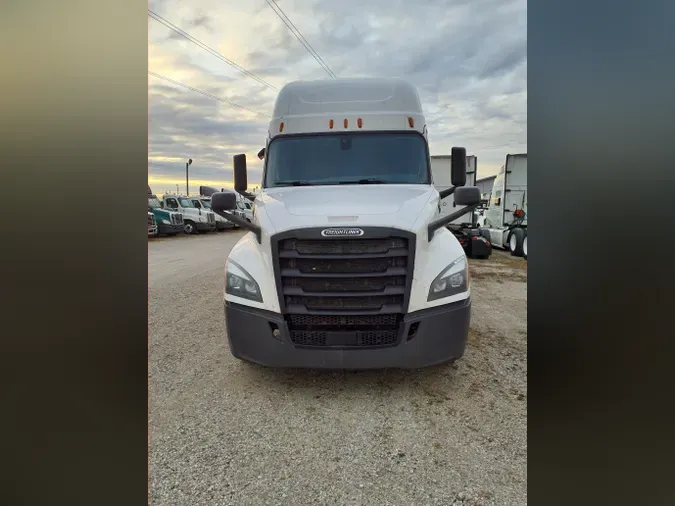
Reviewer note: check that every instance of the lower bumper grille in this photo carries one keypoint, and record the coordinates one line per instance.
(363, 338)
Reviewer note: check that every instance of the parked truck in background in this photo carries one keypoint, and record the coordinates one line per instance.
(464, 227)
(152, 225)
(506, 215)
(245, 208)
(194, 220)
(240, 210)
(168, 222)
(204, 202)
(348, 262)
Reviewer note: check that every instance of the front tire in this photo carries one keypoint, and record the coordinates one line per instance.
(190, 228)
(516, 242)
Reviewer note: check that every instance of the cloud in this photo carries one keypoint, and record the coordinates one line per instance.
(468, 58)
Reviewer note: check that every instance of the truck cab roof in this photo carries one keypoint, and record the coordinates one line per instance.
(343, 105)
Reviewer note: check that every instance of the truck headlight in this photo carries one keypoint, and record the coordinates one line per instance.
(452, 280)
(166, 222)
(240, 283)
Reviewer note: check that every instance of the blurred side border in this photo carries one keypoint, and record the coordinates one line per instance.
(75, 324)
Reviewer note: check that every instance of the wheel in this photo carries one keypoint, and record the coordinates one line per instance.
(516, 242)
(525, 247)
(190, 228)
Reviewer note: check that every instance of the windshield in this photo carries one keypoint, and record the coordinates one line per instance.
(395, 158)
(206, 203)
(186, 203)
(154, 203)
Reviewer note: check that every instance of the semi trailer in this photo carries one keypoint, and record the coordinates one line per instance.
(348, 263)
(505, 220)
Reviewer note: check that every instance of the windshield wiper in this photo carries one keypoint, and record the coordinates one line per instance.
(292, 183)
(365, 181)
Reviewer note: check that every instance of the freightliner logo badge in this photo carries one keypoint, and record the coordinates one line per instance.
(341, 232)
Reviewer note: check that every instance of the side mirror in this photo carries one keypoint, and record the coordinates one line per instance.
(467, 196)
(240, 181)
(224, 201)
(458, 167)
(261, 154)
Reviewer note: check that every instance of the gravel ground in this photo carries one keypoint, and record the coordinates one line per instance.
(225, 432)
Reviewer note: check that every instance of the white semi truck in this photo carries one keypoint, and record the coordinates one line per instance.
(204, 202)
(506, 216)
(348, 263)
(194, 220)
(245, 208)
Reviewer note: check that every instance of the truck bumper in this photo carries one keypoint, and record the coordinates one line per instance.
(429, 337)
(169, 229)
(224, 225)
(205, 227)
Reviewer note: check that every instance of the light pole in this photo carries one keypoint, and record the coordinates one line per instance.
(187, 182)
(177, 190)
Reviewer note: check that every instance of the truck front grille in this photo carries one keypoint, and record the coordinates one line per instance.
(151, 220)
(176, 219)
(211, 218)
(344, 292)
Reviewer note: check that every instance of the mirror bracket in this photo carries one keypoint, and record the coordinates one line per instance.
(233, 218)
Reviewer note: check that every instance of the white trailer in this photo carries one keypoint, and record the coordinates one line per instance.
(506, 215)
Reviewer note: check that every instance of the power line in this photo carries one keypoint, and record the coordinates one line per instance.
(215, 53)
(196, 90)
(298, 35)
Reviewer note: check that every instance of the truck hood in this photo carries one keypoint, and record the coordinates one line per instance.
(391, 205)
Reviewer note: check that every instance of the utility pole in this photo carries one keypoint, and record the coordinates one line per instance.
(187, 181)
(177, 191)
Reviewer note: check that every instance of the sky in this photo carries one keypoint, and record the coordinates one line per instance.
(467, 58)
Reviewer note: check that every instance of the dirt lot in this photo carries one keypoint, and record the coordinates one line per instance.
(225, 432)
